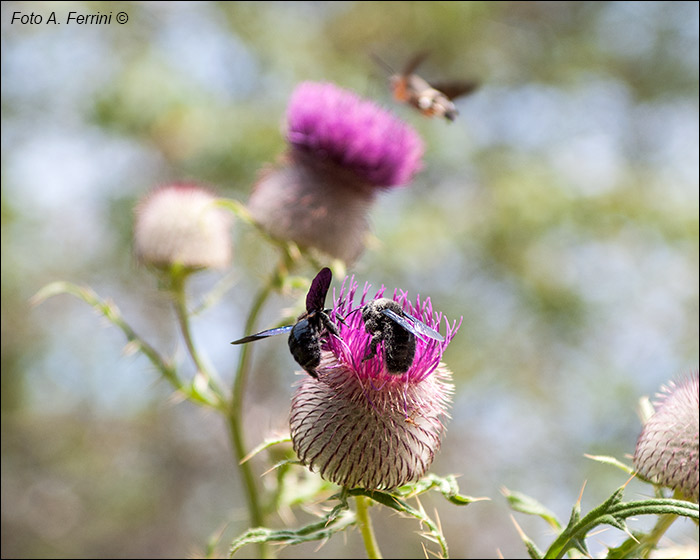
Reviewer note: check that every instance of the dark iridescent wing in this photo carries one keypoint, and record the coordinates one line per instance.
(415, 62)
(455, 89)
(264, 334)
(316, 298)
(413, 325)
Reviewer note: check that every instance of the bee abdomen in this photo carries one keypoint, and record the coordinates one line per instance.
(304, 346)
(399, 350)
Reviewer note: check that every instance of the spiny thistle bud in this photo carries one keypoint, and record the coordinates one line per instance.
(667, 449)
(180, 225)
(363, 422)
(342, 150)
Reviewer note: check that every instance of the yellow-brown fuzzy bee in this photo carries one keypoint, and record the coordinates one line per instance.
(431, 100)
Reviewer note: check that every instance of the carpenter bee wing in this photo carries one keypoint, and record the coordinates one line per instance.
(264, 334)
(414, 62)
(456, 88)
(316, 298)
(413, 325)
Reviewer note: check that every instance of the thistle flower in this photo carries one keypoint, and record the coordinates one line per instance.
(359, 425)
(180, 225)
(667, 449)
(342, 151)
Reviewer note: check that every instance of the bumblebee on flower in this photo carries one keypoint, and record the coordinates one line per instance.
(360, 424)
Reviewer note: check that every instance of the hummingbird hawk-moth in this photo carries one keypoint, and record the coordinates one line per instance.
(430, 99)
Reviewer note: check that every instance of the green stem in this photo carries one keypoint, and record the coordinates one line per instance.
(650, 542)
(365, 524)
(110, 311)
(177, 288)
(241, 378)
(235, 412)
(235, 415)
(393, 502)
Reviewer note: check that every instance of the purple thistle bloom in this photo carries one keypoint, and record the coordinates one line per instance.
(338, 126)
(667, 449)
(342, 150)
(359, 425)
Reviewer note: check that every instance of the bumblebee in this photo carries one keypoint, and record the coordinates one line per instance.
(387, 322)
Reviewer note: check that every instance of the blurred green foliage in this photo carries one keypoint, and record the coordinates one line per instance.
(558, 215)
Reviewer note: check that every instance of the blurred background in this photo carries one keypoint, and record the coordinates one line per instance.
(558, 215)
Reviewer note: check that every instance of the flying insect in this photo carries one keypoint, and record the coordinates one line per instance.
(306, 334)
(431, 100)
(387, 322)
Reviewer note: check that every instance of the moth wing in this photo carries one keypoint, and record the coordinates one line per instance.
(456, 88)
(415, 62)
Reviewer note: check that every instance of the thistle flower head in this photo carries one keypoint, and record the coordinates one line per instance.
(358, 424)
(180, 225)
(337, 125)
(667, 449)
(342, 149)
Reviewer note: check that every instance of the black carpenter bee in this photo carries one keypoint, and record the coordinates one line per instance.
(430, 100)
(306, 334)
(386, 321)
